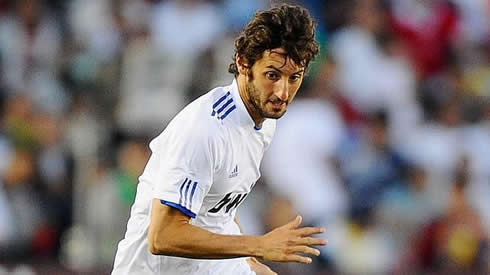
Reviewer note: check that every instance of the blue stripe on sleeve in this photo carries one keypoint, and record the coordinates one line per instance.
(228, 112)
(186, 192)
(192, 193)
(181, 188)
(179, 207)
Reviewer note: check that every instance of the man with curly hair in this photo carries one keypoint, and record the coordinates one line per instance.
(207, 160)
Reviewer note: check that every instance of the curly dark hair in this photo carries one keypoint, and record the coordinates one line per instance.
(287, 26)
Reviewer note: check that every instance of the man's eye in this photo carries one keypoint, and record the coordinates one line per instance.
(271, 75)
(295, 77)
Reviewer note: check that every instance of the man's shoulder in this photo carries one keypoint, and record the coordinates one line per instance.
(201, 115)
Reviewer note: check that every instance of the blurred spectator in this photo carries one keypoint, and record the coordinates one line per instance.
(30, 43)
(369, 165)
(200, 20)
(436, 145)
(452, 243)
(151, 92)
(19, 183)
(37, 173)
(374, 72)
(477, 147)
(55, 168)
(93, 27)
(406, 207)
(359, 246)
(358, 56)
(477, 76)
(428, 29)
(474, 20)
(109, 198)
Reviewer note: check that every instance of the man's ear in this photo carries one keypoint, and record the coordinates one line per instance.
(242, 65)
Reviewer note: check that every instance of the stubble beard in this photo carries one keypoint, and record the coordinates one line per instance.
(254, 97)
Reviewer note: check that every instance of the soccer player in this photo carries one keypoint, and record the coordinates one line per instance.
(207, 160)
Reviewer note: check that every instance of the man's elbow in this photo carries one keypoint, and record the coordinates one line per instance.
(160, 246)
(154, 248)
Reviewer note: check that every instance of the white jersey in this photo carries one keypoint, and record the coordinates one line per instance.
(204, 164)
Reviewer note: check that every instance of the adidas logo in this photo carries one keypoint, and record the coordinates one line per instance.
(234, 173)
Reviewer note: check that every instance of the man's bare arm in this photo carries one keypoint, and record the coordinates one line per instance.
(171, 234)
(256, 266)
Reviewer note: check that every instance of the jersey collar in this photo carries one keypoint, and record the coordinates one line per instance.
(243, 116)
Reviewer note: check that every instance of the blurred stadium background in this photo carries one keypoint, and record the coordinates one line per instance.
(387, 145)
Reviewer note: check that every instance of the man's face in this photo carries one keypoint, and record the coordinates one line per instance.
(272, 83)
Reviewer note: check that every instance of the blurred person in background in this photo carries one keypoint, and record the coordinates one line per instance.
(477, 74)
(39, 172)
(113, 185)
(30, 47)
(357, 54)
(405, 208)
(374, 69)
(19, 179)
(369, 164)
(474, 25)
(436, 145)
(429, 30)
(370, 167)
(18, 183)
(361, 246)
(55, 174)
(477, 149)
(452, 243)
(151, 92)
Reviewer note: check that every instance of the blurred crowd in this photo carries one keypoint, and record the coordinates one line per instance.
(387, 144)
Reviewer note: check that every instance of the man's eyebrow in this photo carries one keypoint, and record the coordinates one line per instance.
(278, 70)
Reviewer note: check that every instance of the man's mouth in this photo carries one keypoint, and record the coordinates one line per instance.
(277, 104)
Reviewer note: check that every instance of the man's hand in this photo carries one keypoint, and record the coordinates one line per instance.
(259, 268)
(284, 243)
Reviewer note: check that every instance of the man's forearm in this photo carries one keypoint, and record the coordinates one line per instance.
(186, 240)
(170, 233)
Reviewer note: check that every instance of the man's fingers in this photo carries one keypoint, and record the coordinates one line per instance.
(307, 250)
(311, 241)
(294, 223)
(307, 231)
(298, 259)
(259, 268)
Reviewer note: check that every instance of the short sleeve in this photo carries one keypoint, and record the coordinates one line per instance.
(186, 162)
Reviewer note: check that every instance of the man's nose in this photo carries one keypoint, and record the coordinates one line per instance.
(282, 90)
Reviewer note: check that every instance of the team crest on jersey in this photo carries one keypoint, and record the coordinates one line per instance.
(234, 173)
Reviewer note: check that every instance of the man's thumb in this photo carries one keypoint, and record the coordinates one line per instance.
(294, 223)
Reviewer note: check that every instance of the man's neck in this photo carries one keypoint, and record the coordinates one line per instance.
(252, 111)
